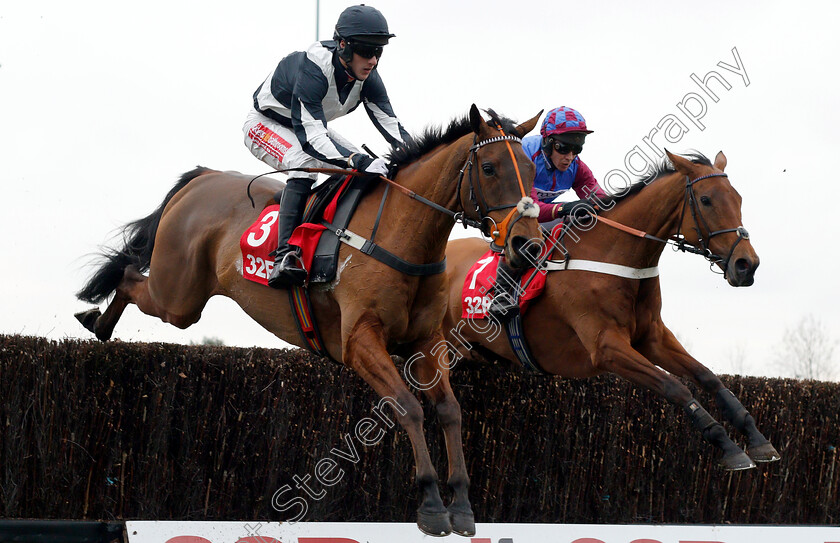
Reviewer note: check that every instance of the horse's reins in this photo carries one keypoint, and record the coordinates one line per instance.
(458, 216)
(678, 239)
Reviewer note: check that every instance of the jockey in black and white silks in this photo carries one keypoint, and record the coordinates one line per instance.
(287, 127)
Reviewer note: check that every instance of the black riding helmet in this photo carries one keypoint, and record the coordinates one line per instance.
(362, 25)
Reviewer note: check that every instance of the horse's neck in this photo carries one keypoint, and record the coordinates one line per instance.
(654, 210)
(434, 177)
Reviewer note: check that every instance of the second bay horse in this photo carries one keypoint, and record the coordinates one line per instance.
(587, 322)
(190, 247)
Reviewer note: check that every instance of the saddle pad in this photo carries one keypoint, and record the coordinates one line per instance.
(256, 242)
(476, 295)
(319, 252)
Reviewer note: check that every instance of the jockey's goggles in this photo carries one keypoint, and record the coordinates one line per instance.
(365, 50)
(564, 148)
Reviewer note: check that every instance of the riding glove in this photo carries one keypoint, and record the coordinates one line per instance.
(576, 209)
(359, 161)
(378, 166)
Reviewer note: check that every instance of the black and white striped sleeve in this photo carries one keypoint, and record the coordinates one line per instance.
(379, 109)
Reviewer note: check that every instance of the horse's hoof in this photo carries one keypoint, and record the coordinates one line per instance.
(737, 462)
(88, 318)
(463, 522)
(435, 524)
(764, 453)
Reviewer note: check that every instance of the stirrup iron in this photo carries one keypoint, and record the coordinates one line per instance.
(289, 272)
(296, 264)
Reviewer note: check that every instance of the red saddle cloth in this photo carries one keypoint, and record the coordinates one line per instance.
(261, 238)
(476, 297)
(256, 242)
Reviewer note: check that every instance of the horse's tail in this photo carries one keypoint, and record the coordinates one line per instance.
(138, 243)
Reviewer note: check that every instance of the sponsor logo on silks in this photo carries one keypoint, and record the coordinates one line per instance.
(267, 139)
(543, 195)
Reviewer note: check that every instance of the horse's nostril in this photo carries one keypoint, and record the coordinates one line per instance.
(742, 265)
(523, 247)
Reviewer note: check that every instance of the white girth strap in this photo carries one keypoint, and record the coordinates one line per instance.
(603, 267)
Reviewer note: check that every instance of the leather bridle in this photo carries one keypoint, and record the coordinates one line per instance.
(498, 233)
(700, 223)
(678, 240)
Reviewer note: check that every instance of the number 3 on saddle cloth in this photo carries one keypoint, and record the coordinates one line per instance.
(260, 238)
(335, 204)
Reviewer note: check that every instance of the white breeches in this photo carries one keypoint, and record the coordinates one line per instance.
(278, 146)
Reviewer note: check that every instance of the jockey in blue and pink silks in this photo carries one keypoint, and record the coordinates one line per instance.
(559, 168)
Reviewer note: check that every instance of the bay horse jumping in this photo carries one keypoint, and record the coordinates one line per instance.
(588, 322)
(190, 246)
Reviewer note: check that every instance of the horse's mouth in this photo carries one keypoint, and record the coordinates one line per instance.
(741, 273)
(521, 253)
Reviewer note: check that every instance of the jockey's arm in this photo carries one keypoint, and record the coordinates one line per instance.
(585, 183)
(379, 109)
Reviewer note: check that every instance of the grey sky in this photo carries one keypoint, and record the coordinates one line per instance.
(104, 104)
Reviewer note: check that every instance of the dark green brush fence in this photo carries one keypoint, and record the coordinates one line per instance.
(93, 430)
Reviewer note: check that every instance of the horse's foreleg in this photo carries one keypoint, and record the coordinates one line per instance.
(669, 354)
(429, 370)
(611, 351)
(365, 352)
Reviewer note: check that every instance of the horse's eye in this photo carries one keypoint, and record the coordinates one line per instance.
(705, 200)
(488, 169)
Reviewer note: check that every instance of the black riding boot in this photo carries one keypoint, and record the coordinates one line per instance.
(505, 305)
(288, 270)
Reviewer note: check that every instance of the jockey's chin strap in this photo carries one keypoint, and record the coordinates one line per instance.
(700, 223)
(525, 207)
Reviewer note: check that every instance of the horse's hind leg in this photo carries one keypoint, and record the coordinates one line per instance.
(133, 288)
(429, 370)
(365, 352)
(102, 324)
(669, 354)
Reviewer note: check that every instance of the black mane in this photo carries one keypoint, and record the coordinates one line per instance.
(663, 168)
(434, 136)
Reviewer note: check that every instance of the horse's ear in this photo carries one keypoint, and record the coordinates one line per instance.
(475, 119)
(682, 165)
(720, 161)
(528, 125)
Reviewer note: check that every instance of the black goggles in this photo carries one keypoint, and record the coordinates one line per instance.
(365, 50)
(564, 148)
